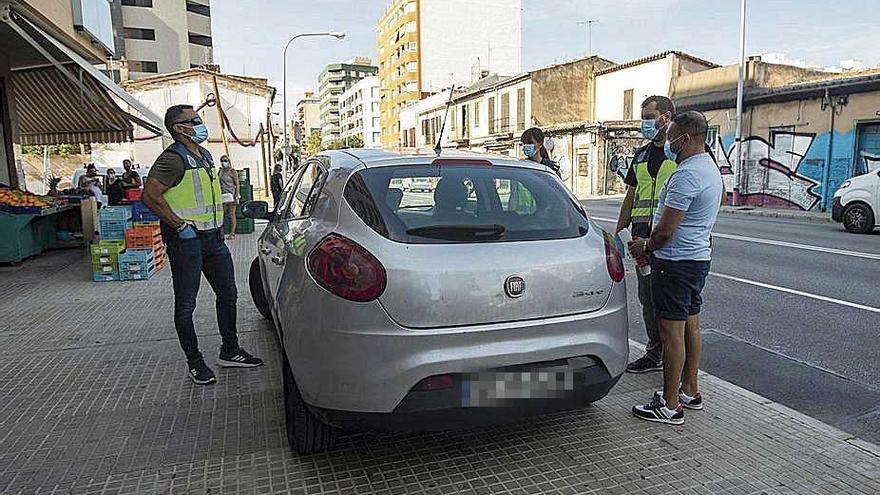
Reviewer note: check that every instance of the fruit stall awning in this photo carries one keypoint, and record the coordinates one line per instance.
(68, 100)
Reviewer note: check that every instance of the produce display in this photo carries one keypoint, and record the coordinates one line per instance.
(14, 201)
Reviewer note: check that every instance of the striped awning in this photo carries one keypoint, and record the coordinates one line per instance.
(52, 109)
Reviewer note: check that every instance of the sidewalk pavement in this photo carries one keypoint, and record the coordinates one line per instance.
(95, 399)
(807, 216)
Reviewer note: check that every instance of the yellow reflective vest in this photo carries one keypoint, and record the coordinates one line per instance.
(197, 198)
(648, 188)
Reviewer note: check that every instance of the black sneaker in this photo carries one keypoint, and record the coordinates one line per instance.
(239, 359)
(644, 364)
(201, 373)
(657, 412)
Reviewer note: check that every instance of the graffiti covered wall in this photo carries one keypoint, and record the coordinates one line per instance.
(792, 158)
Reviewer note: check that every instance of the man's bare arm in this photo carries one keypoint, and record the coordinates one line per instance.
(153, 199)
(625, 216)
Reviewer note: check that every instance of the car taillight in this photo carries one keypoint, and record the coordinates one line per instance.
(437, 382)
(346, 269)
(613, 260)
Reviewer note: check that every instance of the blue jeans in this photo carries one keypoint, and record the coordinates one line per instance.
(190, 258)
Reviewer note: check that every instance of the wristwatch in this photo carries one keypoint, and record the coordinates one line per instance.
(647, 251)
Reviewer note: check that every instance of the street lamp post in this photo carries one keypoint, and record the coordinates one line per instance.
(737, 164)
(336, 34)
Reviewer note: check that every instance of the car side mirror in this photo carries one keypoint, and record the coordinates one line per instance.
(258, 210)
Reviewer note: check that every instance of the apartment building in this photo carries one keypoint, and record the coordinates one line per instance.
(161, 36)
(334, 80)
(308, 118)
(425, 46)
(359, 114)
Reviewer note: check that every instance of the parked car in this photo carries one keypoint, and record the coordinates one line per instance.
(856, 203)
(400, 312)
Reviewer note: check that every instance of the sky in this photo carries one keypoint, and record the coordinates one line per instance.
(249, 35)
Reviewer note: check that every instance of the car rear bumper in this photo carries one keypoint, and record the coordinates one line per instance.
(836, 210)
(453, 408)
(373, 368)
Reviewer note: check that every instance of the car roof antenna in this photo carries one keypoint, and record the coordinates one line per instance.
(438, 149)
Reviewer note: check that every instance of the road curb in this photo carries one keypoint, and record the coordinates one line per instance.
(792, 414)
(784, 214)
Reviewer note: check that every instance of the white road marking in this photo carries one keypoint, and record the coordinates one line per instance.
(797, 292)
(771, 242)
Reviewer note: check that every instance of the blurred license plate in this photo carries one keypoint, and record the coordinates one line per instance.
(502, 388)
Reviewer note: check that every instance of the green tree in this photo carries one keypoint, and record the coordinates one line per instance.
(355, 142)
(313, 143)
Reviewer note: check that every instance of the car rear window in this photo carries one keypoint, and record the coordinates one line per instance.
(424, 204)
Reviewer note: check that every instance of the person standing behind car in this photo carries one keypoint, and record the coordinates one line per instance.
(230, 187)
(646, 176)
(277, 184)
(681, 247)
(183, 189)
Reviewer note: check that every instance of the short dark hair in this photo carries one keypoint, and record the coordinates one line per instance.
(692, 123)
(172, 114)
(664, 104)
(91, 165)
(533, 134)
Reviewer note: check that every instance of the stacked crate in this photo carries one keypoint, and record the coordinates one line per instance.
(246, 193)
(105, 260)
(113, 222)
(137, 264)
(140, 214)
(147, 237)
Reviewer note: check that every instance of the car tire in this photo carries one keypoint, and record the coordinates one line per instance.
(255, 281)
(306, 433)
(858, 218)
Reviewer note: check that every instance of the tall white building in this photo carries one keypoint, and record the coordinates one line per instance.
(424, 46)
(334, 80)
(359, 113)
(162, 36)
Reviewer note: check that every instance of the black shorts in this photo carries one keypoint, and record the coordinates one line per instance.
(677, 288)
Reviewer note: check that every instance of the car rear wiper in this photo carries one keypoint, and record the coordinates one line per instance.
(462, 232)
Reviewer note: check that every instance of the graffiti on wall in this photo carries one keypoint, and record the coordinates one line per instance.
(772, 174)
(620, 155)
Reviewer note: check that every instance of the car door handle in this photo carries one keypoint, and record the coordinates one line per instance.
(265, 250)
(278, 260)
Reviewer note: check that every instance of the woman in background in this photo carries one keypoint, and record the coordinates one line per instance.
(229, 187)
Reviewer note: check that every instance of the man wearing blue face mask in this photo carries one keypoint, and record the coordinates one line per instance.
(183, 189)
(648, 173)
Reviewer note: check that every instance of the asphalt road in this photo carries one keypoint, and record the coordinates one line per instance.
(792, 312)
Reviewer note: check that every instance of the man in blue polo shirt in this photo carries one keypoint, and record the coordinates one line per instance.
(681, 253)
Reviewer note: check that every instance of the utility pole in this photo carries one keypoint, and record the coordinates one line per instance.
(589, 25)
(737, 166)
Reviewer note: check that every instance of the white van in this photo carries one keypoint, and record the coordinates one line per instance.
(857, 203)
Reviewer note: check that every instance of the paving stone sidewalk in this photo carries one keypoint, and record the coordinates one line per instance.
(94, 399)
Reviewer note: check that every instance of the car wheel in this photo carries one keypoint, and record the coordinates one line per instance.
(255, 281)
(306, 433)
(858, 218)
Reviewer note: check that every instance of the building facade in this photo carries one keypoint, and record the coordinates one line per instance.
(334, 80)
(425, 46)
(805, 132)
(246, 102)
(161, 36)
(359, 114)
(308, 118)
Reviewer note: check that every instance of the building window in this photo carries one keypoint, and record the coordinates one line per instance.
(521, 109)
(505, 112)
(143, 66)
(477, 114)
(491, 116)
(137, 3)
(410, 7)
(412, 67)
(197, 8)
(199, 39)
(411, 46)
(628, 104)
(139, 34)
(411, 27)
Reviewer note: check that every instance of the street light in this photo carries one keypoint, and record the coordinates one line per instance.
(336, 34)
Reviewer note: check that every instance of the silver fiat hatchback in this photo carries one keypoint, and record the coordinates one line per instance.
(486, 295)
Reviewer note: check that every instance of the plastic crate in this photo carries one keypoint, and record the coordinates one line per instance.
(107, 247)
(108, 234)
(104, 268)
(134, 194)
(105, 277)
(115, 214)
(105, 258)
(136, 275)
(141, 214)
(143, 236)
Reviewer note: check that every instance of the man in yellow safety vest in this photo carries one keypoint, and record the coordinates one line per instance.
(183, 189)
(646, 176)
